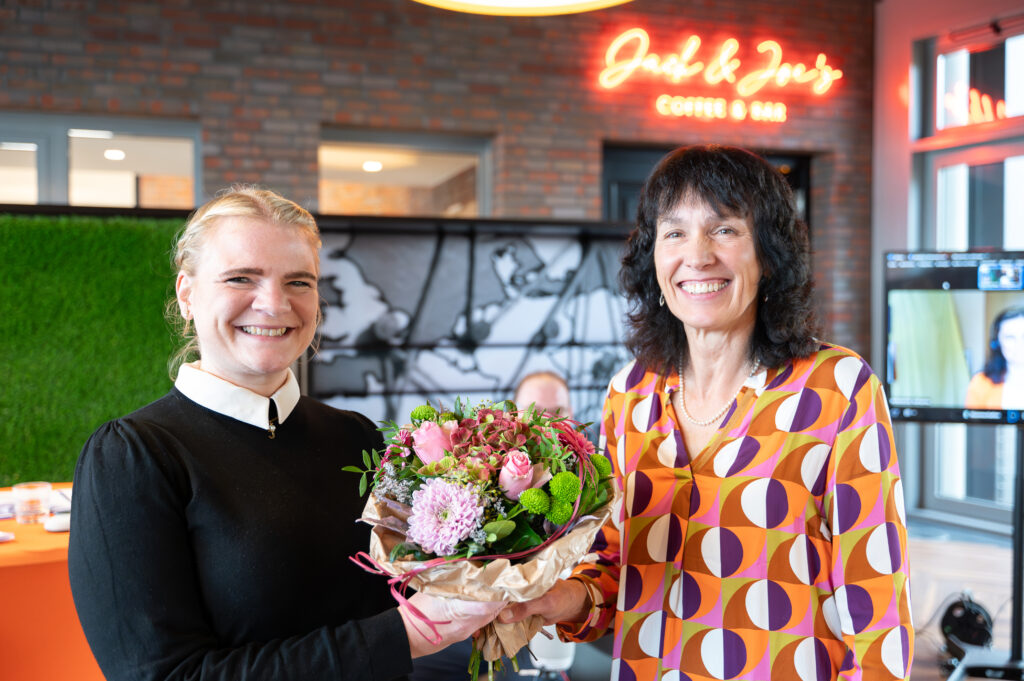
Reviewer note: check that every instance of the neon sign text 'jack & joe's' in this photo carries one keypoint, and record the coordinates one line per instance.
(629, 53)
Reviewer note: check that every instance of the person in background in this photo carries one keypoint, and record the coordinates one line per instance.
(1000, 383)
(761, 534)
(548, 392)
(212, 529)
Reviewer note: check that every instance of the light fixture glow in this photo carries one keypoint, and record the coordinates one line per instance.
(113, 154)
(522, 8)
(18, 146)
(91, 134)
(373, 166)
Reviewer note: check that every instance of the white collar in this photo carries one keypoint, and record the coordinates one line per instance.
(235, 401)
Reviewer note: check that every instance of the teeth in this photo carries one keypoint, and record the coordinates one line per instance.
(258, 331)
(704, 287)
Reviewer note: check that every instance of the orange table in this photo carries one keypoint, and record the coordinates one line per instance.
(40, 637)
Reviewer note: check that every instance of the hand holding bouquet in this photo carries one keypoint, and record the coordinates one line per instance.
(484, 503)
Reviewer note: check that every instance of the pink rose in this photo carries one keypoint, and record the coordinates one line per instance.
(516, 475)
(431, 441)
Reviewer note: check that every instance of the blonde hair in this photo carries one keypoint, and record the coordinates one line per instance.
(240, 201)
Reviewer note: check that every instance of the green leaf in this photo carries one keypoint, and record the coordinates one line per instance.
(352, 469)
(362, 485)
(499, 528)
(366, 459)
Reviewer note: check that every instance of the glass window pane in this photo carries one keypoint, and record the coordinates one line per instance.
(373, 179)
(19, 177)
(973, 206)
(109, 169)
(980, 86)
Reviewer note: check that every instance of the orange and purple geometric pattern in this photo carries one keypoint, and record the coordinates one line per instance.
(778, 552)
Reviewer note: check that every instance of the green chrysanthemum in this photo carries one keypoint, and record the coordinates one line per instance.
(446, 416)
(565, 486)
(535, 500)
(560, 512)
(424, 412)
(601, 464)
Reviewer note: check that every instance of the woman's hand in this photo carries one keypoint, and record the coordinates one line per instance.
(567, 601)
(454, 619)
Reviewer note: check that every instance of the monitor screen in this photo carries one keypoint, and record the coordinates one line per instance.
(955, 336)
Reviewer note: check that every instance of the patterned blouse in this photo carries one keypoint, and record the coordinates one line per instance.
(777, 552)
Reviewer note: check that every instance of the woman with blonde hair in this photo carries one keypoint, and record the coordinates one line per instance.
(211, 530)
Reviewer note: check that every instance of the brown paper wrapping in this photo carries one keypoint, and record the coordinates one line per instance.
(475, 580)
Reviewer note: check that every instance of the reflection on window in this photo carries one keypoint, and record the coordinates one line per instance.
(109, 169)
(980, 86)
(373, 179)
(976, 205)
(19, 178)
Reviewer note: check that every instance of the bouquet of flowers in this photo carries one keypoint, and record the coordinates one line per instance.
(485, 502)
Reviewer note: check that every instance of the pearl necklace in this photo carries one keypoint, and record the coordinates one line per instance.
(721, 412)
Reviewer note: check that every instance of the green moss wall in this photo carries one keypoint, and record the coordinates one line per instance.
(82, 333)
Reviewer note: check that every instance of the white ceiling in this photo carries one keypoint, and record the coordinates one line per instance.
(408, 167)
(143, 155)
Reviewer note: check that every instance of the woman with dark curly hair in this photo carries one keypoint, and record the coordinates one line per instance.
(761, 534)
(1000, 383)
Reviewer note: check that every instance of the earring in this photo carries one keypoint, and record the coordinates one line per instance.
(661, 300)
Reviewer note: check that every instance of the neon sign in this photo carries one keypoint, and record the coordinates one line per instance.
(630, 54)
(975, 107)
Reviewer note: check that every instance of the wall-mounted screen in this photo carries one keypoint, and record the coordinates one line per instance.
(955, 336)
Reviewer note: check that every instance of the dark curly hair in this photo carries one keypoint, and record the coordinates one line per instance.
(995, 363)
(733, 182)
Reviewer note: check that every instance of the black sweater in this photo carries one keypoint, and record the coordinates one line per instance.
(202, 549)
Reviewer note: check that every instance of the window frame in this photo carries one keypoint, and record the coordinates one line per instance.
(50, 133)
(427, 142)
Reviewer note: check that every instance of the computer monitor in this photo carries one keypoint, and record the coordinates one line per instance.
(942, 357)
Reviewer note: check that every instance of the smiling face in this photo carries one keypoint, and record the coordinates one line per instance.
(1011, 342)
(707, 269)
(253, 299)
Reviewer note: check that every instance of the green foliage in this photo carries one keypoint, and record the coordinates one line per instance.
(84, 337)
(535, 500)
(565, 486)
(602, 465)
(424, 412)
(498, 529)
(560, 512)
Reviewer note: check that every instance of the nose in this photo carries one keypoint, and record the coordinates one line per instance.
(698, 252)
(271, 299)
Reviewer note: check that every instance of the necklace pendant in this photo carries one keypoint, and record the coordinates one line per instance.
(271, 429)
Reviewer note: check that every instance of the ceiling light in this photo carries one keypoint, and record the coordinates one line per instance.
(373, 166)
(522, 8)
(113, 155)
(92, 134)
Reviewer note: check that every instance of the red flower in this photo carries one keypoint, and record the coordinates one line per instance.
(573, 439)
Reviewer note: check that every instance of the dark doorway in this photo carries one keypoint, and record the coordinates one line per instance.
(626, 168)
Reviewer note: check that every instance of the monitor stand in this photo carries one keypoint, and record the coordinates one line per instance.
(985, 663)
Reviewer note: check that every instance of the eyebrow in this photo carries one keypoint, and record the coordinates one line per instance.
(255, 271)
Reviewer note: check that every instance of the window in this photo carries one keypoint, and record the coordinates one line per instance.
(395, 174)
(969, 165)
(98, 161)
(979, 86)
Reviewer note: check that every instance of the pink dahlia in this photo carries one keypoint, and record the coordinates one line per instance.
(443, 514)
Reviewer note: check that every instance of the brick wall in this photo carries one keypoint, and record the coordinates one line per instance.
(263, 79)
